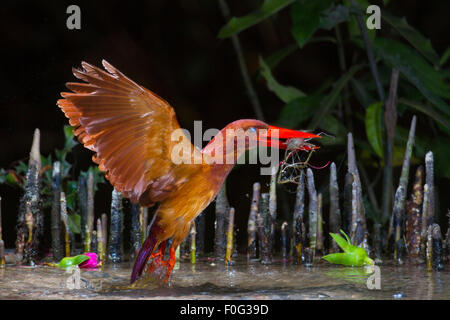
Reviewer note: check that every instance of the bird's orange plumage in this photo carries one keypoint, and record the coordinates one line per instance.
(129, 128)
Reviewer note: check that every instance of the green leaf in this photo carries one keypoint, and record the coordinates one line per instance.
(47, 177)
(342, 243)
(74, 223)
(346, 236)
(417, 70)
(352, 24)
(349, 259)
(68, 132)
(428, 110)
(21, 168)
(352, 256)
(298, 110)
(72, 261)
(445, 57)
(236, 25)
(46, 161)
(374, 127)
(71, 195)
(71, 187)
(285, 93)
(98, 176)
(274, 59)
(69, 141)
(306, 18)
(11, 180)
(65, 168)
(332, 98)
(333, 16)
(337, 258)
(60, 155)
(415, 38)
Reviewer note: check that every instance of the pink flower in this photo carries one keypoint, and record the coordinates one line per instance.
(91, 263)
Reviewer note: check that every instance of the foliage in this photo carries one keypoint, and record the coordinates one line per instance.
(97, 174)
(352, 256)
(285, 93)
(15, 178)
(306, 18)
(352, 98)
(72, 261)
(237, 25)
(373, 127)
(416, 69)
(414, 37)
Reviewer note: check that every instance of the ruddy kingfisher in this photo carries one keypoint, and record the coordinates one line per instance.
(130, 130)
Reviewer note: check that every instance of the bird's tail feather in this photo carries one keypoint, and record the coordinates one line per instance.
(147, 248)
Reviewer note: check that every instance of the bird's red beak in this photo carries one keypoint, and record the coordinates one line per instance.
(277, 137)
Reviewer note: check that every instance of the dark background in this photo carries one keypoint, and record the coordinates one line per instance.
(170, 47)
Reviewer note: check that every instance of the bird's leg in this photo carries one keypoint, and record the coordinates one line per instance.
(157, 258)
(157, 265)
(161, 251)
(170, 263)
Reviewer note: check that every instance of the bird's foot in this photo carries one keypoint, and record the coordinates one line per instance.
(155, 261)
(170, 264)
(160, 268)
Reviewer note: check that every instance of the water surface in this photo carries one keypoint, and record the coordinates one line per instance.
(209, 280)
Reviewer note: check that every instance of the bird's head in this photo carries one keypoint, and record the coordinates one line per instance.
(245, 134)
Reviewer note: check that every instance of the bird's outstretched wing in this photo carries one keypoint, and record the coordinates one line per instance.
(129, 128)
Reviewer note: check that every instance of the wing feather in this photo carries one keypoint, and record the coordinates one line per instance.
(128, 127)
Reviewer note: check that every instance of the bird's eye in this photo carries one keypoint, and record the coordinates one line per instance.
(252, 130)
